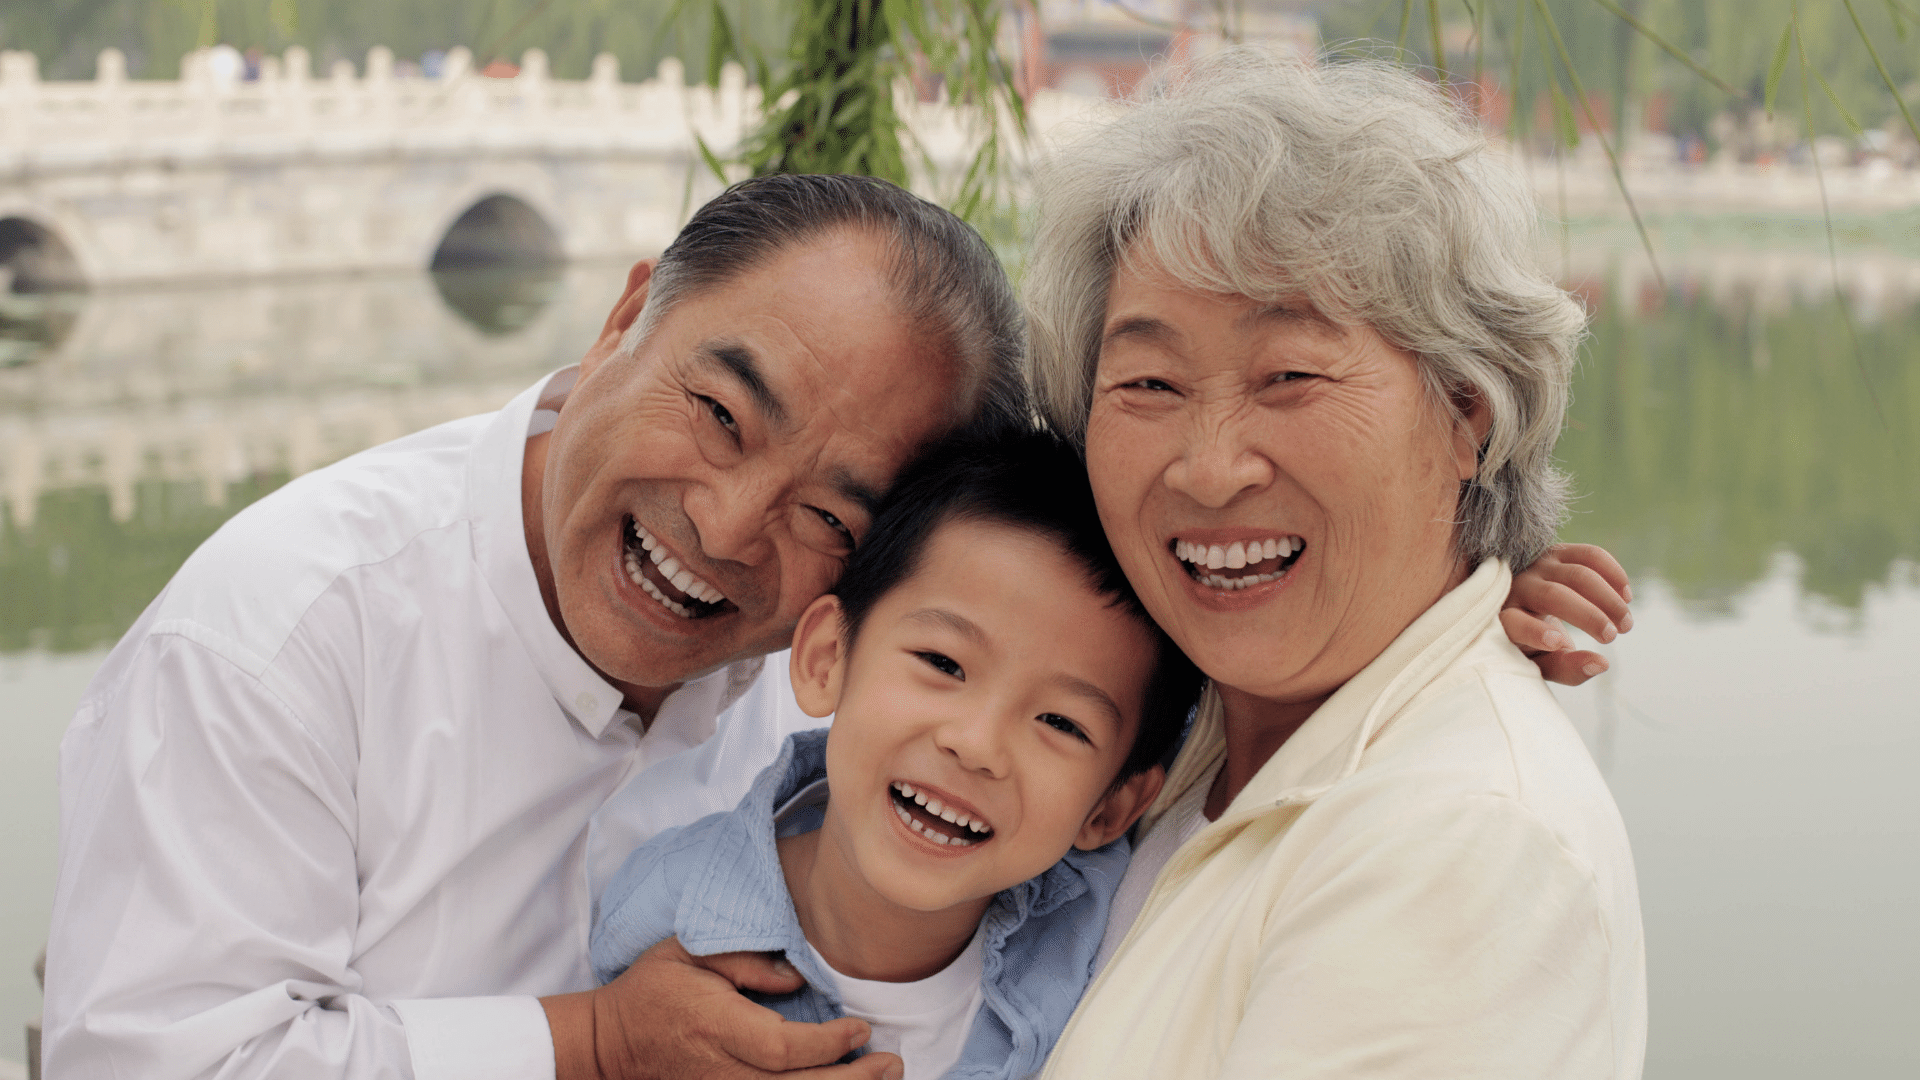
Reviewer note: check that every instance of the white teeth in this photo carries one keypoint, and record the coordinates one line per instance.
(657, 554)
(1236, 556)
(950, 815)
(1216, 557)
(905, 789)
(1270, 549)
(933, 807)
(669, 567)
(680, 577)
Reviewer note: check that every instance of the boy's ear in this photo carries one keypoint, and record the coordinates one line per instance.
(819, 657)
(1122, 806)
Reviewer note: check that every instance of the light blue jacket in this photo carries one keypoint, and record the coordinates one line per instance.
(717, 885)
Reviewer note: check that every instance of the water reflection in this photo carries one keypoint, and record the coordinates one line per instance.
(1716, 423)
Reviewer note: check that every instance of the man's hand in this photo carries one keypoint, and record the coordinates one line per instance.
(1576, 583)
(672, 1015)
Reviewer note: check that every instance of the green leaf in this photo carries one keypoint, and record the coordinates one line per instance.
(1845, 116)
(720, 47)
(706, 154)
(1882, 68)
(1778, 68)
(1564, 124)
(1648, 33)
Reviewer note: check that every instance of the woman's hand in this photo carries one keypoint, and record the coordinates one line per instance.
(1574, 583)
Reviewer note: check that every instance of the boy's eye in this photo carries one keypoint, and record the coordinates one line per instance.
(1062, 724)
(943, 664)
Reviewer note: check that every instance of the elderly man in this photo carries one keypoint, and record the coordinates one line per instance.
(329, 809)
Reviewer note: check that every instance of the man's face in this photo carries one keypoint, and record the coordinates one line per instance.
(699, 493)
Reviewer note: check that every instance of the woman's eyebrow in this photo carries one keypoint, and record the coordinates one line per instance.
(1141, 326)
(738, 361)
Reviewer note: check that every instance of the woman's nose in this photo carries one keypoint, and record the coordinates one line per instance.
(1216, 466)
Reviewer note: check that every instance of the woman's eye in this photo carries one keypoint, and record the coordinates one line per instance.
(943, 664)
(1292, 376)
(1157, 385)
(1062, 724)
(720, 413)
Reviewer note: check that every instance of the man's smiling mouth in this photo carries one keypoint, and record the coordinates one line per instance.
(1241, 564)
(926, 816)
(661, 576)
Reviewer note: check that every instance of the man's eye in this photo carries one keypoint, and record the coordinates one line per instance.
(1292, 376)
(720, 413)
(943, 664)
(836, 525)
(1062, 724)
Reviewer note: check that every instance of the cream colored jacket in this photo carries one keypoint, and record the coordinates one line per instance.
(1428, 880)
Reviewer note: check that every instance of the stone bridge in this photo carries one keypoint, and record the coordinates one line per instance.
(114, 181)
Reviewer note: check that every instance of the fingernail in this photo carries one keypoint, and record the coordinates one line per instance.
(784, 969)
(1612, 632)
(896, 1072)
(1554, 640)
(1628, 593)
(1626, 622)
(1594, 668)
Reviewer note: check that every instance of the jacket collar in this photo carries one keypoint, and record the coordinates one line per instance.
(1328, 747)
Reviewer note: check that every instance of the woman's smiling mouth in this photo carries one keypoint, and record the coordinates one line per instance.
(1241, 564)
(934, 821)
(660, 576)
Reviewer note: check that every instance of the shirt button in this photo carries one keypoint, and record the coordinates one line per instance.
(586, 704)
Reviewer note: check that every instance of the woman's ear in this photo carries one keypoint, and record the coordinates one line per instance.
(1116, 813)
(819, 657)
(1469, 430)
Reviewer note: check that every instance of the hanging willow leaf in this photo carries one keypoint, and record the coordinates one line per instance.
(1882, 68)
(1648, 33)
(1439, 47)
(1845, 116)
(1564, 124)
(1778, 67)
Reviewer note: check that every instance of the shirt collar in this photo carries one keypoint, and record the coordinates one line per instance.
(1327, 748)
(500, 550)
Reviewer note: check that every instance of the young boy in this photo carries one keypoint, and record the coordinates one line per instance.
(1002, 706)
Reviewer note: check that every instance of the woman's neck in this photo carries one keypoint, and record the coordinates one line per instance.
(1255, 730)
(860, 933)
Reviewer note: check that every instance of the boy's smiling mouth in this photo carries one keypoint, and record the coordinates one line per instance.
(929, 818)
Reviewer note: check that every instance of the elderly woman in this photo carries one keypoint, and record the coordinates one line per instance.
(1293, 312)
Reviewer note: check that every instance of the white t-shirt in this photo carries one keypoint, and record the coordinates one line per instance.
(925, 1022)
(1184, 818)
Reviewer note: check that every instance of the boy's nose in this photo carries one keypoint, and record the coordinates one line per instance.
(977, 743)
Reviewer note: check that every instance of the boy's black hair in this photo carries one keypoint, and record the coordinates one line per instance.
(1025, 480)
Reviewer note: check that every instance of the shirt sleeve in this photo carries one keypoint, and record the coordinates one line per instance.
(1460, 939)
(207, 903)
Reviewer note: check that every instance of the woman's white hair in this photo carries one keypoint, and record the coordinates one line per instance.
(1351, 184)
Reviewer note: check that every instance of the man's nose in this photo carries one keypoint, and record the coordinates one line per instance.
(977, 740)
(1217, 464)
(734, 517)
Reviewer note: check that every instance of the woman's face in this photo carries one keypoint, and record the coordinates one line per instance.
(1221, 422)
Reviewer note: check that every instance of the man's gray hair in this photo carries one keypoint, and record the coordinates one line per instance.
(946, 279)
(1353, 185)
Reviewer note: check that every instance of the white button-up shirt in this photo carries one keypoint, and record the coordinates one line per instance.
(329, 808)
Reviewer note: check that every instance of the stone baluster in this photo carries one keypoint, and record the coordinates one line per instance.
(379, 88)
(20, 91)
(603, 89)
(730, 107)
(534, 85)
(344, 92)
(110, 92)
(669, 89)
(466, 99)
(296, 92)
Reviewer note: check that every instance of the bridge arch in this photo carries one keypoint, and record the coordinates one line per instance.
(499, 229)
(34, 258)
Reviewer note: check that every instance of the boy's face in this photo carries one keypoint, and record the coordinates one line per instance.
(994, 684)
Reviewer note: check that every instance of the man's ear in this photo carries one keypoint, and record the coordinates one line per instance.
(1469, 431)
(632, 300)
(819, 659)
(1121, 807)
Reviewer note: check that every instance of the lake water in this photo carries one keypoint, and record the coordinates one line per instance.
(1747, 444)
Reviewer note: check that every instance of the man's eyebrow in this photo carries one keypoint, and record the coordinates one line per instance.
(950, 620)
(851, 486)
(1082, 688)
(737, 360)
(1141, 326)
